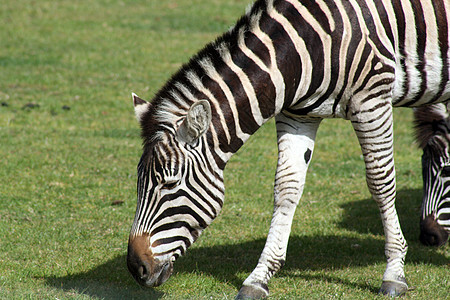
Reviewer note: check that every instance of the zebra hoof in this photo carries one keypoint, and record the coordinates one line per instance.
(393, 288)
(257, 291)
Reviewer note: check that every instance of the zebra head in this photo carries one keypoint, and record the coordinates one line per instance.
(433, 135)
(178, 192)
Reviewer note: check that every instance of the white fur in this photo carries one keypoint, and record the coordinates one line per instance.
(275, 73)
(295, 137)
(245, 81)
(197, 83)
(140, 109)
(209, 68)
(300, 46)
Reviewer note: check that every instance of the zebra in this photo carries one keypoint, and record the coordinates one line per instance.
(432, 124)
(299, 62)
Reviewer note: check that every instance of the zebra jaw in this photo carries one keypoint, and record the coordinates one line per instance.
(145, 269)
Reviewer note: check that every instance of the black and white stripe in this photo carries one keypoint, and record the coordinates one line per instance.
(300, 61)
(433, 135)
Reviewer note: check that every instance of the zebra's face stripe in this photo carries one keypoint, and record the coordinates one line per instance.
(433, 135)
(178, 197)
(435, 219)
(436, 179)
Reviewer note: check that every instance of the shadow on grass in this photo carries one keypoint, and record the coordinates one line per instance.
(363, 216)
(227, 263)
(109, 280)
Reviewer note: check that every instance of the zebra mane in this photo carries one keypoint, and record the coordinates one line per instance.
(170, 104)
(431, 121)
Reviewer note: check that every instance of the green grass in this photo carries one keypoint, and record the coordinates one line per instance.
(62, 170)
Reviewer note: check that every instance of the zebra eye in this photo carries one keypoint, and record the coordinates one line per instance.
(170, 185)
(446, 171)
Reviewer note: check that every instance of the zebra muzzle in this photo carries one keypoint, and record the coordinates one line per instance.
(431, 233)
(144, 268)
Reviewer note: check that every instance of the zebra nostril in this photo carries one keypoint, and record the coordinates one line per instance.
(139, 269)
(140, 259)
(142, 272)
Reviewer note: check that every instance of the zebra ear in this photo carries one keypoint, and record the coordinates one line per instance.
(140, 106)
(196, 122)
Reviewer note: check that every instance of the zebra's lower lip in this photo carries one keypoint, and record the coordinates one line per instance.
(147, 270)
(166, 272)
(162, 274)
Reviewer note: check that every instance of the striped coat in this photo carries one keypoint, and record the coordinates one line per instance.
(300, 62)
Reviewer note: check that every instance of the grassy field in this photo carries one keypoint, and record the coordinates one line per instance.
(69, 146)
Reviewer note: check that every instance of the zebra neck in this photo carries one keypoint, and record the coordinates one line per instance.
(250, 74)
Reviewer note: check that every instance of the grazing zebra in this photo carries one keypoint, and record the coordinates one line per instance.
(433, 135)
(300, 62)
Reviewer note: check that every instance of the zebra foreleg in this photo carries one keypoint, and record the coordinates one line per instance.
(295, 145)
(374, 127)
